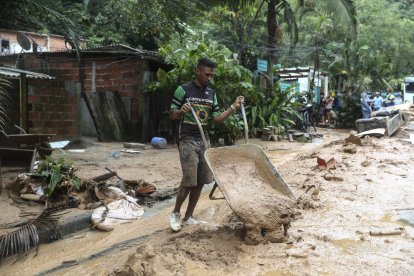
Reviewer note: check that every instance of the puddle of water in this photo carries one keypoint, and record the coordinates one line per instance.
(347, 245)
(403, 218)
(406, 217)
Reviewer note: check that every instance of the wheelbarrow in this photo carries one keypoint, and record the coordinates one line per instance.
(252, 187)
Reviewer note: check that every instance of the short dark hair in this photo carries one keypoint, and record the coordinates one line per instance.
(204, 61)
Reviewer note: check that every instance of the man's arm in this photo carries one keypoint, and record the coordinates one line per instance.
(224, 115)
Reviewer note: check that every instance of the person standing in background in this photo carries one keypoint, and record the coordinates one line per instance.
(389, 99)
(377, 102)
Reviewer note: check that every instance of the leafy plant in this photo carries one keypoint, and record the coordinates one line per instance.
(349, 111)
(278, 110)
(55, 173)
(231, 79)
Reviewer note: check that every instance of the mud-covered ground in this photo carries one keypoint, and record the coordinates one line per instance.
(356, 219)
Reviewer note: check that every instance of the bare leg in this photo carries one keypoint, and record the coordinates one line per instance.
(192, 202)
(181, 196)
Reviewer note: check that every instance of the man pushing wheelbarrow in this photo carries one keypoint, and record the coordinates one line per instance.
(250, 184)
(191, 147)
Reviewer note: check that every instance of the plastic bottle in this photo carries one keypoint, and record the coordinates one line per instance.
(158, 142)
(115, 154)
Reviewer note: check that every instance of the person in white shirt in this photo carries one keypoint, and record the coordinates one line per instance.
(377, 102)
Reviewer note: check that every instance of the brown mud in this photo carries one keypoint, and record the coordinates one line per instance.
(330, 236)
(259, 198)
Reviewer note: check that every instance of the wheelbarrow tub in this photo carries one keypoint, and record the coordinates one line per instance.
(252, 158)
(254, 190)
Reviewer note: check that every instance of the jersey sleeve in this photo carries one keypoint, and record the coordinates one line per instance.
(178, 99)
(215, 110)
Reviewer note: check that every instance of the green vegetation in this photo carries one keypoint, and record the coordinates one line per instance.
(363, 45)
(56, 174)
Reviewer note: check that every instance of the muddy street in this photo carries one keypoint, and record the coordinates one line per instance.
(354, 219)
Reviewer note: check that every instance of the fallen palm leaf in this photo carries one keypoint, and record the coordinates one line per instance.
(21, 240)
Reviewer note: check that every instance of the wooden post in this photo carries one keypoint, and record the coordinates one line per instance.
(23, 101)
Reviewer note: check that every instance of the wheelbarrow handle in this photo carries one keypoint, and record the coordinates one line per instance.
(200, 128)
(246, 126)
(211, 196)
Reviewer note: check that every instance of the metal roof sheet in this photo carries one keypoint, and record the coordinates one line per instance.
(16, 73)
(110, 49)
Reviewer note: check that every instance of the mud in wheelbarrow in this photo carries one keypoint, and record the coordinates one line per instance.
(254, 190)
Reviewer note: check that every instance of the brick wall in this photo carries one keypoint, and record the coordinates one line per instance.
(52, 109)
(54, 104)
(122, 76)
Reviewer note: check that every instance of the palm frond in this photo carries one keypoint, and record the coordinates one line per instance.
(234, 4)
(4, 102)
(343, 10)
(20, 241)
(290, 19)
(70, 30)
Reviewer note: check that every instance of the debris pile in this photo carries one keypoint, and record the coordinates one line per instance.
(55, 182)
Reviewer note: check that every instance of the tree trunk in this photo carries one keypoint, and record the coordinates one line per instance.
(240, 34)
(272, 25)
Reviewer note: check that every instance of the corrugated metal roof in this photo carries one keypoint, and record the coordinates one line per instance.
(110, 49)
(16, 73)
(116, 49)
(299, 70)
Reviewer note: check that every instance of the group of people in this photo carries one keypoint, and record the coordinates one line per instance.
(390, 100)
(326, 108)
(378, 102)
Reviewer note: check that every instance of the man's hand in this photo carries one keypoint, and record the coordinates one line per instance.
(177, 114)
(238, 102)
(185, 108)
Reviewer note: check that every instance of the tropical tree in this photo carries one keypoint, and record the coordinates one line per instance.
(282, 11)
(40, 16)
(137, 23)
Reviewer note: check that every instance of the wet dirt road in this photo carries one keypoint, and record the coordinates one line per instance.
(334, 233)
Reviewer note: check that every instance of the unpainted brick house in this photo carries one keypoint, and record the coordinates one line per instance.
(57, 105)
(10, 44)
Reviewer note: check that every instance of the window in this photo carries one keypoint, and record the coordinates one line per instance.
(409, 87)
(5, 47)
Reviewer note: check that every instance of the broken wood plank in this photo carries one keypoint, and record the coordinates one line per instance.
(134, 146)
(104, 177)
(385, 233)
(130, 151)
(375, 132)
(109, 116)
